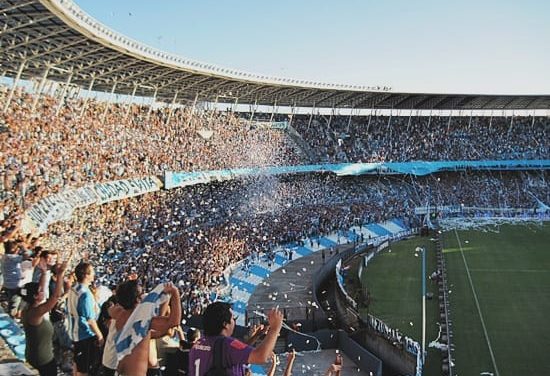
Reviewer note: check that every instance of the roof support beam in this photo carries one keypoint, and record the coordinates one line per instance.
(36, 56)
(437, 101)
(171, 108)
(99, 62)
(255, 89)
(108, 103)
(17, 6)
(366, 99)
(345, 99)
(528, 104)
(118, 68)
(34, 40)
(276, 91)
(216, 86)
(130, 77)
(38, 92)
(415, 100)
(87, 97)
(79, 55)
(292, 97)
(62, 95)
(312, 93)
(175, 81)
(13, 86)
(196, 83)
(10, 29)
(164, 72)
(130, 102)
(334, 94)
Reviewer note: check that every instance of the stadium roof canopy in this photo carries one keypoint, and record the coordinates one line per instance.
(58, 40)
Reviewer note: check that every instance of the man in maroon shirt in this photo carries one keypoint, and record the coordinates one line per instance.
(219, 323)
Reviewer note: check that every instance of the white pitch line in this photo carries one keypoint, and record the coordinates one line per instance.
(477, 305)
(511, 270)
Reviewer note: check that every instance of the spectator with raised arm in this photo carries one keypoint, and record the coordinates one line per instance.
(219, 323)
(38, 328)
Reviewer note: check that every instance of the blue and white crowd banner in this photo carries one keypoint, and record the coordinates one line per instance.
(55, 208)
(138, 324)
(60, 206)
(120, 189)
(282, 125)
(174, 179)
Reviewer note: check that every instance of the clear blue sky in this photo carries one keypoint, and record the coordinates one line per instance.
(459, 46)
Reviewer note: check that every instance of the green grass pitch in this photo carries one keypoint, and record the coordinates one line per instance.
(510, 274)
(393, 279)
(509, 269)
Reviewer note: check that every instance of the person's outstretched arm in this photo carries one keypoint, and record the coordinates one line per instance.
(47, 306)
(262, 353)
(273, 367)
(290, 363)
(161, 324)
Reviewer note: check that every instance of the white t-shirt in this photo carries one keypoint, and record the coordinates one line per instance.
(26, 272)
(109, 352)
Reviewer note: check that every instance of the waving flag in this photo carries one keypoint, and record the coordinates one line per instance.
(139, 322)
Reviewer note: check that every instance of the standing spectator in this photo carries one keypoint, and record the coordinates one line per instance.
(11, 268)
(58, 317)
(135, 324)
(38, 329)
(193, 335)
(83, 312)
(107, 326)
(44, 263)
(219, 324)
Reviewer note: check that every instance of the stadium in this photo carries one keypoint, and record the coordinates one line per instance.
(407, 232)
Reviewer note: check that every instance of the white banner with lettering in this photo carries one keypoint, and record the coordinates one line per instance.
(119, 189)
(60, 206)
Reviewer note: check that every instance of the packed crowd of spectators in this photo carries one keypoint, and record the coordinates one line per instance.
(191, 235)
(44, 151)
(432, 138)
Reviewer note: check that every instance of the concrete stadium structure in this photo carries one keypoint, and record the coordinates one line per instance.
(56, 40)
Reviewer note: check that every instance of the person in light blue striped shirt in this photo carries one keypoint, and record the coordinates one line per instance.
(83, 313)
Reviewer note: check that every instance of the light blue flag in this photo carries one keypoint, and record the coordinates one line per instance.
(139, 322)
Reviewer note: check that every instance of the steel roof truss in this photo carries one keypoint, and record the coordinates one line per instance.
(330, 96)
(163, 72)
(28, 40)
(146, 68)
(178, 77)
(10, 29)
(345, 99)
(17, 6)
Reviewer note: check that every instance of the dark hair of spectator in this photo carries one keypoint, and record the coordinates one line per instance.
(45, 253)
(193, 334)
(10, 247)
(128, 293)
(29, 291)
(215, 317)
(82, 270)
